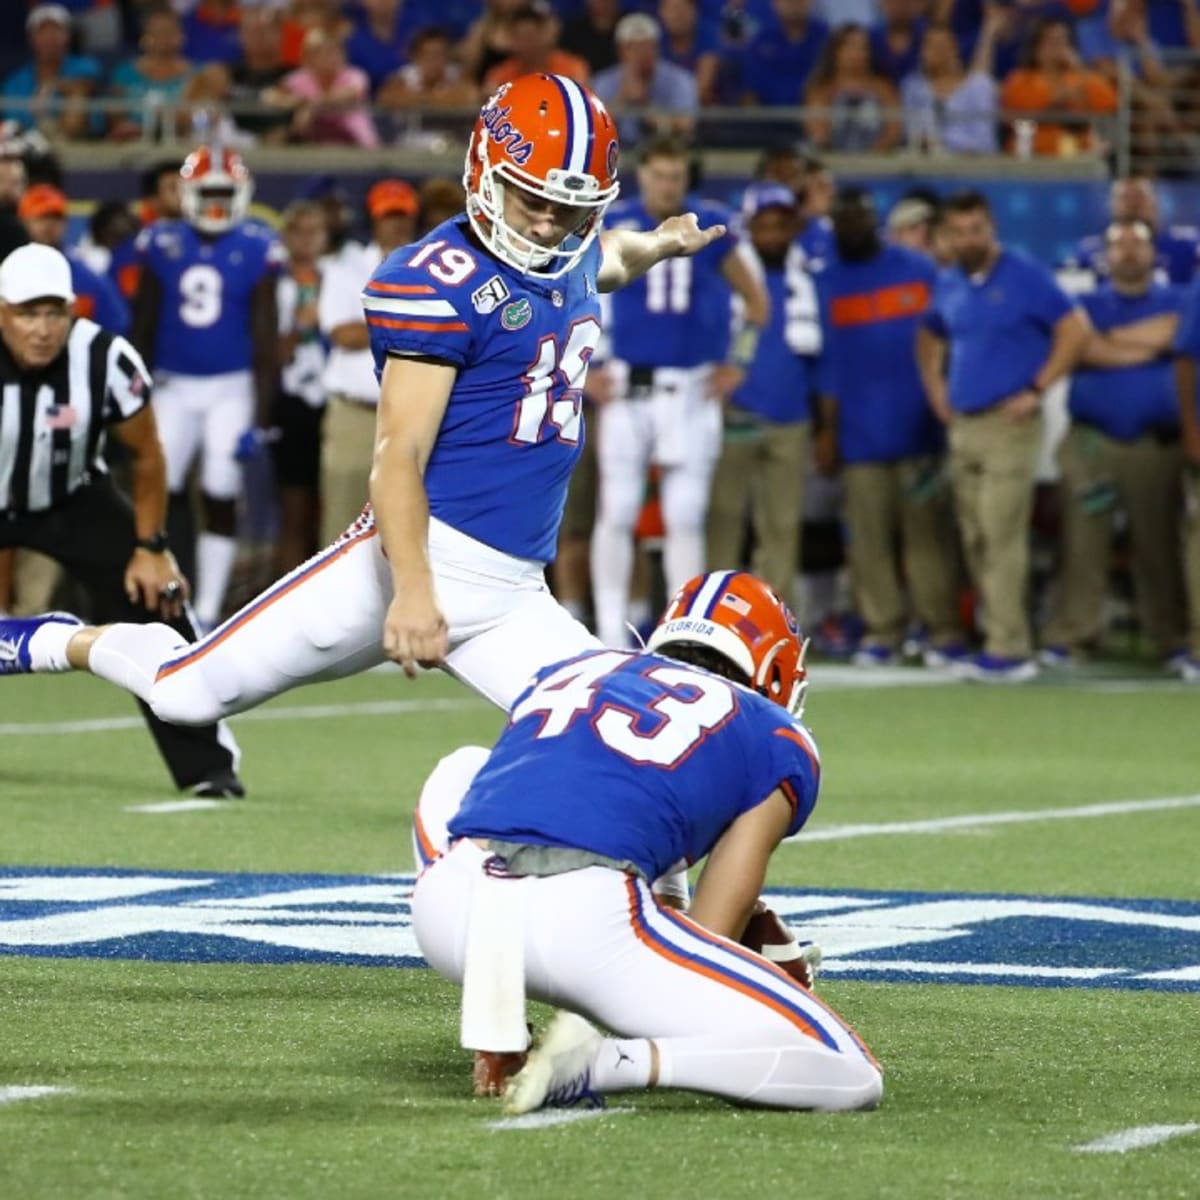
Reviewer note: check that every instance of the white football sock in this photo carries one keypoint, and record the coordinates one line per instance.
(612, 569)
(48, 647)
(683, 557)
(622, 1065)
(214, 565)
(130, 655)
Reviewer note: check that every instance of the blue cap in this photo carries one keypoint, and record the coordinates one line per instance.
(766, 195)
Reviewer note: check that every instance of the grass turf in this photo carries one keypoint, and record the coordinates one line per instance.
(203, 1080)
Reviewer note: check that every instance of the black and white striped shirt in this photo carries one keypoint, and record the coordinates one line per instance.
(52, 420)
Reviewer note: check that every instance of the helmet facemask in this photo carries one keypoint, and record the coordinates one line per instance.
(215, 202)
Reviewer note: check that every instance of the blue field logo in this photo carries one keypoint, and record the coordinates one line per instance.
(915, 937)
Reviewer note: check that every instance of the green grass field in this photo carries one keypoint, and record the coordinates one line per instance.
(273, 1079)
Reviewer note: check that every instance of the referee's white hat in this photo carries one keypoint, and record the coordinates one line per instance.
(35, 272)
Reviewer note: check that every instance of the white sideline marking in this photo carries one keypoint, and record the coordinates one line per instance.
(175, 806)
(986, 970)
(839, 833)
(297, 712)
(546, 1118)
(1137, 1138)
(10, 1095)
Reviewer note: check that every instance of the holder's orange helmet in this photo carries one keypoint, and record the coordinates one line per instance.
(553, 138)
(744, 620)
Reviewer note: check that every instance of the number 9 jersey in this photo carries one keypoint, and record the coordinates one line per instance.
(208, 282)
(513, 427)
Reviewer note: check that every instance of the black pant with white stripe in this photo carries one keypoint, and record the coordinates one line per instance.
(92, 535)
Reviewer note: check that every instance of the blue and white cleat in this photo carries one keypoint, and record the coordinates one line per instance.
(559, 1071)
(15, 635)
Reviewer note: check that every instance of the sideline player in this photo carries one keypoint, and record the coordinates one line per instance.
(669, 390)
(204, 318)
(482, 331)
(692, 748)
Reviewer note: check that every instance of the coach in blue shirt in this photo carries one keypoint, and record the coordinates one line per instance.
(1006, 331)
(1122, 450)
(765, 447)
(877, 422)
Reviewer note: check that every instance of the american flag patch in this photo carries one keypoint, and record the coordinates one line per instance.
(60, 416)
(739, 606)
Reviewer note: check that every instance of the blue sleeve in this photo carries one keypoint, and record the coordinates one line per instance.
(410, 312)
(934, 321)
(1046, 300)
(790, 762)
(112, 309)
(1187, 337)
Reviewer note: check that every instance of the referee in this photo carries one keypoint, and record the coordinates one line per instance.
(63, 383)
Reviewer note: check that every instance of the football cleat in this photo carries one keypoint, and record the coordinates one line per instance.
(996, 668)
(559, 1071)
(222, 786)
(15, 635)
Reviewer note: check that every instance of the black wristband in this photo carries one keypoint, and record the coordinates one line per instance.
(156, 543)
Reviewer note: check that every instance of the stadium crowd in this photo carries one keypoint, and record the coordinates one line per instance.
(860, 423)
(1035, 77)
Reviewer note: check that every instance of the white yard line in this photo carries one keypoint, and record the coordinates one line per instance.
(547, 1118)
(1137, 1138)
(840, 833)
(196, 804)
(11, 1095)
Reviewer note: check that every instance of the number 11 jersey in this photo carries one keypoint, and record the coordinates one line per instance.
(204, 324)
(513, 427)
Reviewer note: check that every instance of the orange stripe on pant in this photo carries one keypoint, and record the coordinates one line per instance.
(261, 606)
(642, 933)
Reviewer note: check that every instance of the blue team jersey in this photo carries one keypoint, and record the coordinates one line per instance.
(816, 240)
(869, 317)
(637, 758)
(668, 317)
(1177, 255)
(1126, 402)
(999, 326)
(513, 427)
(208, 284)
(97, 297)
(780, 381)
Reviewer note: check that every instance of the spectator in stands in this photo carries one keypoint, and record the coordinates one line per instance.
(589, 33)
(1122, 451)
(489, 39)
(239, 87)
(43, 211)
(1054, 83)
(301, 16)
(52, 90)
(376, 43)
(854, 107)
(765, 445)
(210, 31)
(327, 96)
(691, 44)
(947, 108)
(300, 405)
(13, 182)
(877, 425)
(431, 79)
(779, 60)
(1011, 332)
(533, 36)
(439, 200)
(348, 438)
(896, 38)
(645, 94)
(155, 79)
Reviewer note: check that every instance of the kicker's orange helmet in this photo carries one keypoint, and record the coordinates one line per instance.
(215, 189)
(744, 620)
(552, 137)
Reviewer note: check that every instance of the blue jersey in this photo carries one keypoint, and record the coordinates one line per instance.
(639, 759)
(513, 427)
(672, 315)
(869, 316)
(208, 283)
(97, 297)
(816, 240)
(779, 383)
(1127, 402)
(999, 326)
(1176, 255)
